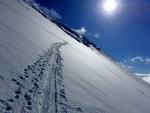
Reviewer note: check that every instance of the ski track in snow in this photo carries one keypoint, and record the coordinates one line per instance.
(41, 89)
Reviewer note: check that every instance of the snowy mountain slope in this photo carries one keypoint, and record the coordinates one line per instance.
(45, 70)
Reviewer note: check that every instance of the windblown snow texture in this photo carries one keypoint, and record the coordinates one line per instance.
(46, 67)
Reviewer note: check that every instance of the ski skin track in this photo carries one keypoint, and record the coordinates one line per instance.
(25, 93)
(41, 88)
(49, 102)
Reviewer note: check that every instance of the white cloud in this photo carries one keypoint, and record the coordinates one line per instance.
(81, 31)
(145, 77)
(135, 59)
(147, 60)
(97, 35)
(51, 12)
(130, 67)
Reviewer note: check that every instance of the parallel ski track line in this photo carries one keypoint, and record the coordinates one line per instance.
(49, 103)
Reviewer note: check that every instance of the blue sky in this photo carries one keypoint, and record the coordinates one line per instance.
(123, 33)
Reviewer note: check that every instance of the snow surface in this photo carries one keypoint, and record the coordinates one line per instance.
(45, 70)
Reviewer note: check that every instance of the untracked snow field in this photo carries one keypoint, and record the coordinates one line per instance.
(44, 70)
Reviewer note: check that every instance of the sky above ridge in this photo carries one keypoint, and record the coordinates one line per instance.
(124, 32)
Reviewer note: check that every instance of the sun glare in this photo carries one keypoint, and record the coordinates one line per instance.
(109, 5)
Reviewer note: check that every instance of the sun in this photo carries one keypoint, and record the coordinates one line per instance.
(109, 5)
